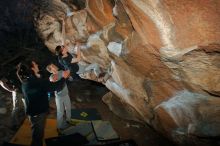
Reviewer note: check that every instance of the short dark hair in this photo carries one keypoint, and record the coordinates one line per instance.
(25, 71)
(58, 50)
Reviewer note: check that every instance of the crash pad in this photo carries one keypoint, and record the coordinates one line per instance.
(104, 131)
(87, 114)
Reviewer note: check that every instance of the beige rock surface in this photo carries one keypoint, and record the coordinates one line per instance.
(167, 71)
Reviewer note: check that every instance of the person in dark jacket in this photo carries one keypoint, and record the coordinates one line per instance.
(35, 90)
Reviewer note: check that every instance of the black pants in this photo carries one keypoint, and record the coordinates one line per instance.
(38, 123)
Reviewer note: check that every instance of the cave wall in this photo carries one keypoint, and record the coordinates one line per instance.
(161, 59)
(18, 38)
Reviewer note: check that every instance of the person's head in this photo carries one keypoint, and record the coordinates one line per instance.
(52, 68)
(58, 50)
(24, 72)
(27, 69)
(61, 50)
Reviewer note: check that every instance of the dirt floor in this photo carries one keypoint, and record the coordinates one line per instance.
(86, 94)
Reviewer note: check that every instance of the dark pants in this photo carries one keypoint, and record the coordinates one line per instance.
(38, 123)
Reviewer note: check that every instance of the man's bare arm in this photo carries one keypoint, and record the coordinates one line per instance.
(78, 55)
(63, 32)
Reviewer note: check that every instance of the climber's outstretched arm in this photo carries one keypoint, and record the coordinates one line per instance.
(63, 32)
(78, 54)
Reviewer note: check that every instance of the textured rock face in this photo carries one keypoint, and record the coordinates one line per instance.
(160, 59)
